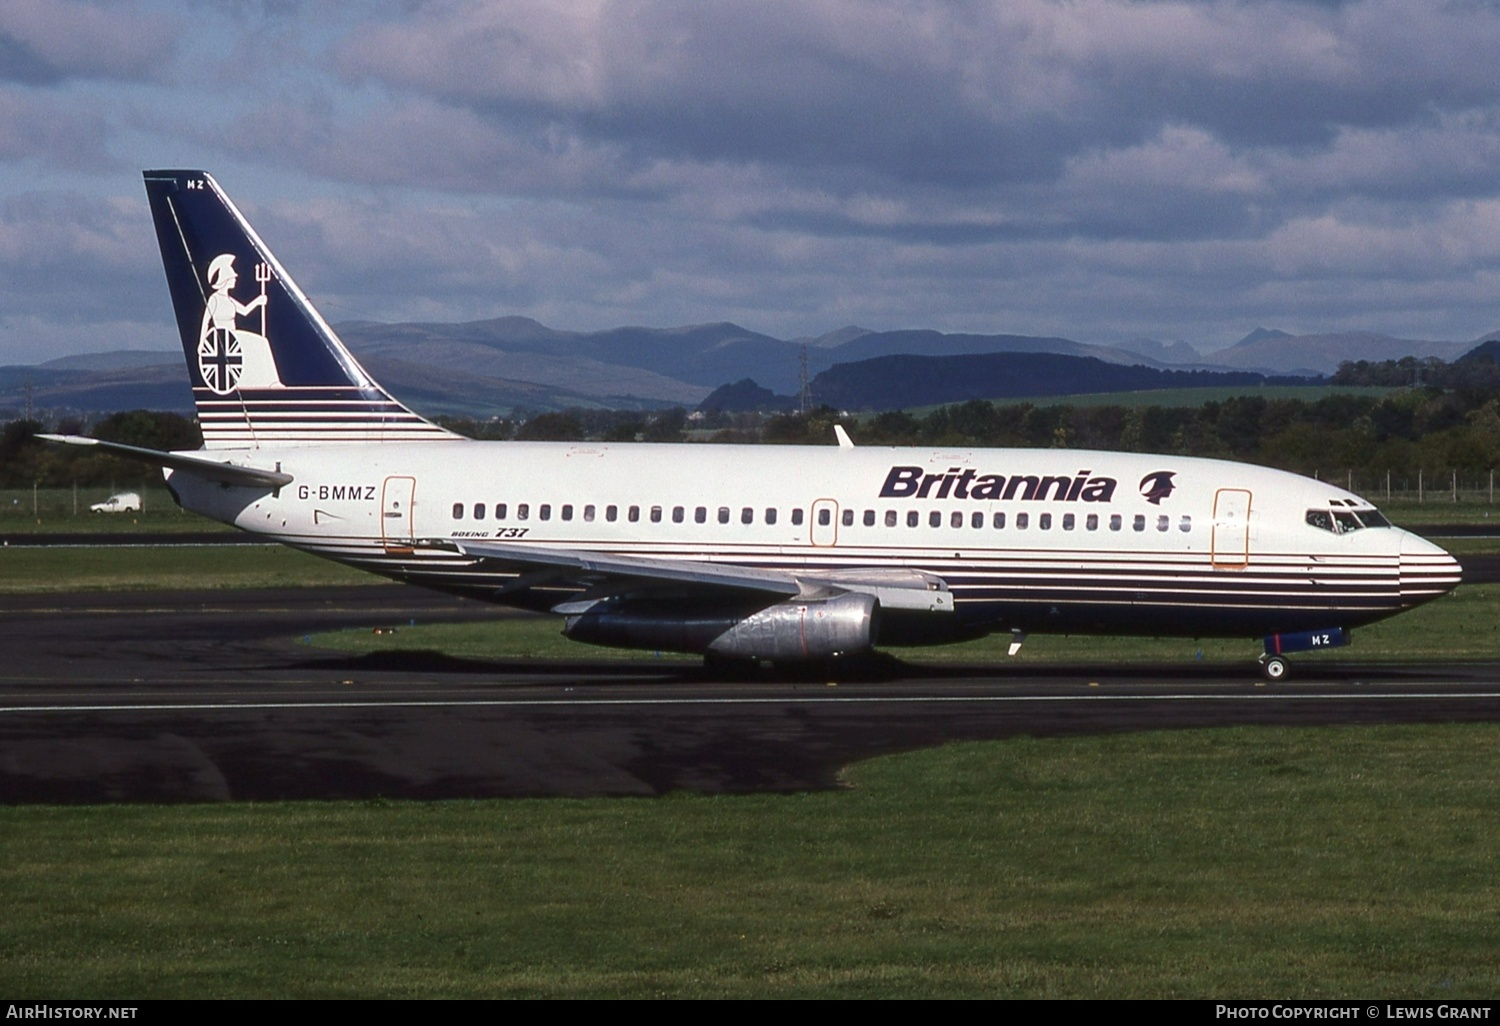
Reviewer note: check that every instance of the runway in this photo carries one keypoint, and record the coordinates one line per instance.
(210, 696)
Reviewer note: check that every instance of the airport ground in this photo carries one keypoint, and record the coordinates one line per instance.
(202, 798)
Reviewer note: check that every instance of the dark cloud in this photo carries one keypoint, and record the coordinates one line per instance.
(20, 63)
(43, 42)
(1098, 168)
(52, 131)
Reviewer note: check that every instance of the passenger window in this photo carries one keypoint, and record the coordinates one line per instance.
(957, 519)
(1185, 524)
(797, 517)
(499, 511)
(1044, 521)
(1067, 521)
(1163, 522)
(1115, 521)
(747, 515)
(825, 517)
(523, 511)
(869, 518)
(567, 511)
(678, 513)
(611, 513)
(723, 514)
(633, 514)
(1091, 521)
(890, 518)
(1022, 520)
(588, 514)
(544, 511)
(1139, 523)
(935, 519)
(1320, 518)
(848, 518)
(478, 511)
(999, 521)
(656, 514)
(770, 514)
(912, 518)
(700, 515)
(458, 511)
(977, 519)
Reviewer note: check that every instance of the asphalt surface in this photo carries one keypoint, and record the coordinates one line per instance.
(211, 696)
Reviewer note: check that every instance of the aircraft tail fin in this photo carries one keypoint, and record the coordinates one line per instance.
(265, 367)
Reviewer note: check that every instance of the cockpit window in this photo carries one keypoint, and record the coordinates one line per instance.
(1320, 518)
(1347, 521)
(1343, 521)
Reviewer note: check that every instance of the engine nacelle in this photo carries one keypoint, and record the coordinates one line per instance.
(785, 632)
(804, 630)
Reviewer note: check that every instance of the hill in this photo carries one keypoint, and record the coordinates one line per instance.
(898, 382)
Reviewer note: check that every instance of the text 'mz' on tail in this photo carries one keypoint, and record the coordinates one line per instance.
(265, 367)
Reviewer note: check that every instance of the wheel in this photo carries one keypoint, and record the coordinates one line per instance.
(1275, 668)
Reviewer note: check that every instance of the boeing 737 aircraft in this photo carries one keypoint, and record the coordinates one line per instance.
(742, 552)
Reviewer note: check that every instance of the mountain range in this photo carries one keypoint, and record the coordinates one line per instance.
(491, 367)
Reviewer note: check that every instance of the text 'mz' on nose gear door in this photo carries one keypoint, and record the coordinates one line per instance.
(396, 526)
(1231, 538)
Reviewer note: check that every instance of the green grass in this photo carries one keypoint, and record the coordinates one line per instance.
(519, 637)
(61, 510)
(110, 568)
(1457, 627)
(1253, 862)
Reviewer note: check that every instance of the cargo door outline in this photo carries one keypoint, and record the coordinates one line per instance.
(1231, 530)
(397, 497)
(824, 535)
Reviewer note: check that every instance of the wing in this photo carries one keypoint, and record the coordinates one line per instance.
(604, 575)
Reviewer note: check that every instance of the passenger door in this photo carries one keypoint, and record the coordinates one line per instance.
(1231, 537)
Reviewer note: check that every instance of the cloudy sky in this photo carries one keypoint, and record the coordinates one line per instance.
(1099, 169)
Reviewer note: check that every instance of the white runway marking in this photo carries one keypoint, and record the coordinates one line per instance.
(519, 703)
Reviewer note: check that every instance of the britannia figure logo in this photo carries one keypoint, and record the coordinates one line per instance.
(1157, 486)
(231, 357)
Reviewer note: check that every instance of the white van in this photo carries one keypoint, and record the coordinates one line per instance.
(125, 502)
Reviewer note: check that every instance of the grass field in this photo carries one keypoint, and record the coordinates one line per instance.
(63, 510)
(1271, 863)
(131, 568)
(1249, 862)
(1458, 627)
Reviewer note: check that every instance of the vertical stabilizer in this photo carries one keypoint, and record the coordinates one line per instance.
(265, 367)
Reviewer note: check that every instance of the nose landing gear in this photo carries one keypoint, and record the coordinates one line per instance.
(1274, 668)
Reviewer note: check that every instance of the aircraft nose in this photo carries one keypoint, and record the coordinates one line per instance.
(1427, 571)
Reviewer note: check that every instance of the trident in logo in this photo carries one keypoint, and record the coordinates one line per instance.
(263, 275)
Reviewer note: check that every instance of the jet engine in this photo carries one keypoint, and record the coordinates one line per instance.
(784, 632)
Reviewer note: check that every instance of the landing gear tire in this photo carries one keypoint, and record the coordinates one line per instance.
(1275, 668)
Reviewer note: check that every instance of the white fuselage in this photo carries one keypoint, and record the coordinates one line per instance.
(1026, 539)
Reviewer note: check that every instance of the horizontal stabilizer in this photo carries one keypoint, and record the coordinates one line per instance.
(200, 466)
